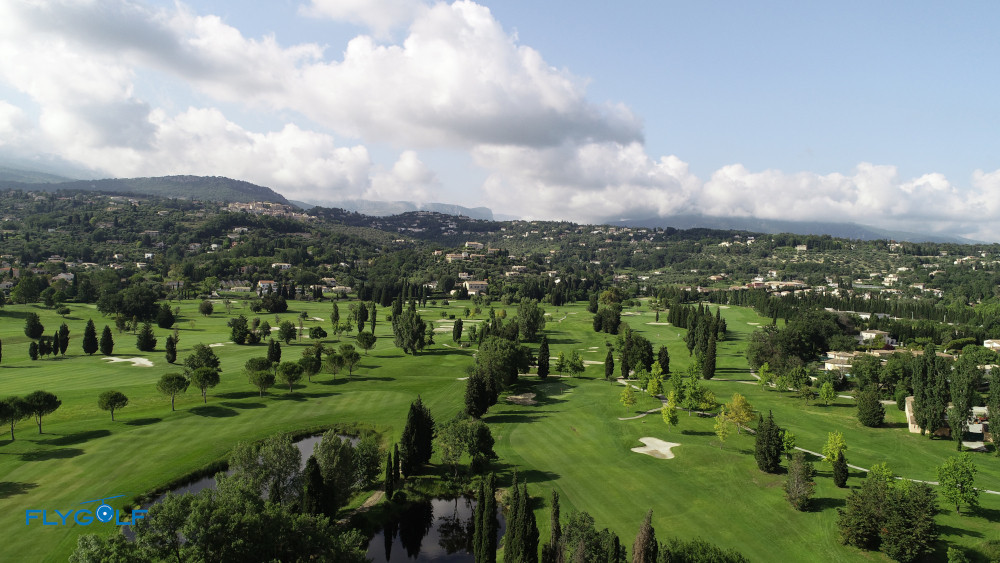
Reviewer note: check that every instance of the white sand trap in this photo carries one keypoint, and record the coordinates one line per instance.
(656, 448)
(443, 328)
(723, 306)
(524, 399)
(754, 324)
(592, 363)
(459, 378)
(141, 362)
(630, 314)
(217, 344)
(317, 319)
(658, 324)
(274, 328)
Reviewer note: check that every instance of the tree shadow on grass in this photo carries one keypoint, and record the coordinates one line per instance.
(533, 476)
(563, 341)
(43, 455)
(697, 433)
(238, 395)
(243, 405)
(75, 438)
(953, 531)
(11, 488)
(545, 400)
(15, 314)
(213, 411)
(371, 378)
(515, 417)
(895, 425)
(824, 503)
(143, 421)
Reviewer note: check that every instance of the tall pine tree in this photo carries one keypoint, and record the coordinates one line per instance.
(90, 338)
(489, 524)
(417, 439)
(529, 528)
(768, 444)
(390, 485)
(107, 341)
(708, 362)
(543, 357)
(645, 547)
(513, 539)
(609, 366)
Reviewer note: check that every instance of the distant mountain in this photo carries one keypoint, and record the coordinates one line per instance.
(29, 176)
(841, 230)
(206, 188)
(40, 166)
(386, 208)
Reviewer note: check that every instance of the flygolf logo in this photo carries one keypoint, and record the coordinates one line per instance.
(104, 514)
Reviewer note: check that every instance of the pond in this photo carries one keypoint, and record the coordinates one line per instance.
(305, 446)
(434, 530)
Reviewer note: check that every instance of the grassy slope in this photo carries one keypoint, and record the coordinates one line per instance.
(574, 442)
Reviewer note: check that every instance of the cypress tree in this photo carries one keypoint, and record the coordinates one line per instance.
(107, 341)
(171, 350)
(395, 465)
(273, 352)
(145, 341)
(609, 366)
(313, 491)
(417, 438)
(937, 394)
(871, 413)
(63, 338)
(513, 541)
(477, 396)
(550, 551)
(840, 471)
(663, 356)
(389, 484)
(477, 521)
(529, 529)
(489, 523)
(90, 338)
(543, 357)
(708, 363)
(624, 361)
(767, 444)
(644, 549)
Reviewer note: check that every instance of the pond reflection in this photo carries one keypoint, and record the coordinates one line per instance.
(434, 530)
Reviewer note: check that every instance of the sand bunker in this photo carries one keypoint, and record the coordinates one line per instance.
(592, 363)
(141, 362)
(523, 399)
(631, 314)
(317, 319)
(658, 324)
(217, 344)
(459, 378)
(656, 448)
(754, 324)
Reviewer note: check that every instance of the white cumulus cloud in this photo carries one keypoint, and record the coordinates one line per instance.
(381, 16)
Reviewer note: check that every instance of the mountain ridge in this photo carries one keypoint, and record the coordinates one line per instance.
(848, 230)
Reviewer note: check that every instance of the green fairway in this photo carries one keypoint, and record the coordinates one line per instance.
(571, 441)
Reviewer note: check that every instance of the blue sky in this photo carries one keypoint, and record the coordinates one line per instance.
(881, 113)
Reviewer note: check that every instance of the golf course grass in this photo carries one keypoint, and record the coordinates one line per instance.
(572, 440)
